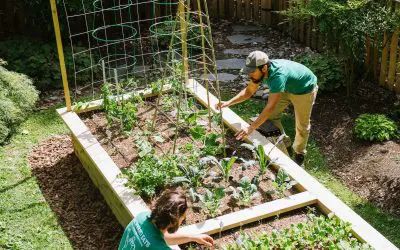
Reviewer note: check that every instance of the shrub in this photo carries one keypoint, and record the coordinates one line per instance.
(39, 61)
(375, 127)
(328, 68)
(17, 98)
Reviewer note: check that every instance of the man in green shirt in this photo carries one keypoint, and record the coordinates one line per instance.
(156, 229)
(289, 83)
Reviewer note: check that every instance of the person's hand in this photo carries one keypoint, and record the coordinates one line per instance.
(221, 105)
(244, 132)
(204, 239)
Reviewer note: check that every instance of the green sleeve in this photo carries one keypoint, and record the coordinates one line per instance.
(277, 83)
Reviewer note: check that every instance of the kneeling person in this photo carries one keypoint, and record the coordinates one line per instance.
(157, 228)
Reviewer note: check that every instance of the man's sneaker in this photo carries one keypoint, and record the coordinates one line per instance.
(299, 158)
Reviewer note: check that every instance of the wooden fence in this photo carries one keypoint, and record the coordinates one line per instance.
(384, 67)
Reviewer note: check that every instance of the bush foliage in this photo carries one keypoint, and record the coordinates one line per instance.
(375, 127)
(17, 98)
(328, 68)
(39, 61)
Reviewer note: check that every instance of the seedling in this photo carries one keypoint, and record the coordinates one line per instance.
(245, 193)
(211, 201)
(282, 183)
(259, 154)
(192, 176)
(211, 145)
(224, 164)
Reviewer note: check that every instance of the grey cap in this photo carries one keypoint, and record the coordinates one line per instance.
(255, 59)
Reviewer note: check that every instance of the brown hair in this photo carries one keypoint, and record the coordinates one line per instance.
(168, 209)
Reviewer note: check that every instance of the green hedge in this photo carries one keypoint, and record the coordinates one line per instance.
(39, 60)
(328, 68)
(17, 98)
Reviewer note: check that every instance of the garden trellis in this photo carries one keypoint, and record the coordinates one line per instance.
(172, 51)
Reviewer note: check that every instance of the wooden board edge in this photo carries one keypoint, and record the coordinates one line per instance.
(252, 214)
(96, 104)
(103, 171)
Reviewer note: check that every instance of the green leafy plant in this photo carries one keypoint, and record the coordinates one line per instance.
(149, 175)
(328, 68)
(193, 176)
(211, 201)
(259, 154)
(39, 60)
(225, 165)
(245, 193)
(143, 146)
(346, 24)
(247, 163)
(211, 145)
(79, 106)
(282, 183)
(118, 109)
(316, 233)
(375, 127)
(18, 97)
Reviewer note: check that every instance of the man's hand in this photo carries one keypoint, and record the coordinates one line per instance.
(221, 105)
(203, 239)
(243, 133)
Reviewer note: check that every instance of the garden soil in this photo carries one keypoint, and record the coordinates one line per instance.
(370, 169)
(79, 206)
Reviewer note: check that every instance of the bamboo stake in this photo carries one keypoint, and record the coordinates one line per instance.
(204, 63)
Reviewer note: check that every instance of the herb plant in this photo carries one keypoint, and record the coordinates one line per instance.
(149, 175)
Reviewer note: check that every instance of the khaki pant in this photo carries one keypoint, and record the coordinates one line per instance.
(303, 105)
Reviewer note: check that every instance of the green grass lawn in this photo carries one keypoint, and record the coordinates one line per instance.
(315, 164)
(26, 220)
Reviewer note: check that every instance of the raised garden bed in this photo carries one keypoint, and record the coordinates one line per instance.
(125, 204)
(243, 185)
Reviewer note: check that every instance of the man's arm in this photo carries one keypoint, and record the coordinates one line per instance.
(181, 238)
(273, 99)
(242, 96)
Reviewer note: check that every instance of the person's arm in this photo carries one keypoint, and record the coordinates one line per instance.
(181, 238)
(273, 99)
(241, 97)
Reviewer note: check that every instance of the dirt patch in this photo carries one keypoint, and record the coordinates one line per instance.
(80, 208)
(370, 169)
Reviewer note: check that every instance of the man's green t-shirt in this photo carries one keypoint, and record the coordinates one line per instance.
(290, 77)
(142, 234)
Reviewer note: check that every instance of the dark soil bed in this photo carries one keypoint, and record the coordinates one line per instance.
(80, 208)
(123, 151)
(370, 169)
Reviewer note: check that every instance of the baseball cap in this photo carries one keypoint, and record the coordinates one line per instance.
(255, 59)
